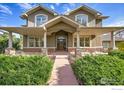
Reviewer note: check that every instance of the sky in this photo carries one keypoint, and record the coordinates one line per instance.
(10, 12)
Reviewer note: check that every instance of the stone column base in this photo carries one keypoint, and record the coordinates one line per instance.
(10, 51)
(44, 51)
(78, 52)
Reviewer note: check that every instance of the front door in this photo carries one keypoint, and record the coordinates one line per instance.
(61, 43)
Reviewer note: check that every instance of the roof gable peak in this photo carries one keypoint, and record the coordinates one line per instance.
(87, 8)
(39, 6)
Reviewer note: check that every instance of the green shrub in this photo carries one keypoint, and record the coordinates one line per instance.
(99, 70)
(121, 46)
(117, 53)
(24, 70)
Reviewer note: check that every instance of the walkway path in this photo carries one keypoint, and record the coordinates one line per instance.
(62, 73)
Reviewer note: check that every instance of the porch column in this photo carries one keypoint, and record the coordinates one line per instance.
(77, 52)
(78, 40)
(113, 40)
(73, 40)
(10, 40)
(45, 42)
(45, 39)
(10, 50)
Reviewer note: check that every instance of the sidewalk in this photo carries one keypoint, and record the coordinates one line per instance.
(62, 73)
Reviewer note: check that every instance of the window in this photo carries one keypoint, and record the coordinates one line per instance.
(106, 44)
(31, 42)
(35, 42)
(82, 19)
(40, 19)
(84, 41)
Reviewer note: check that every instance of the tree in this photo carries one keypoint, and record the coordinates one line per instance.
(4, 42)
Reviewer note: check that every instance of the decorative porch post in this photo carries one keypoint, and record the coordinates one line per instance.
(78, 40)
(45, 41)
(10, 49)
(10, 40)
(73, 40)
(78, 44)
(113, 40)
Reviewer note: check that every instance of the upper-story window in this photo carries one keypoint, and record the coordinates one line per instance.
(82, 19)
(40, 19)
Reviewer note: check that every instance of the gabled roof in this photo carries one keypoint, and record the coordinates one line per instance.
(91, 10)
(97, 14)
(61, 19)
(38, 7)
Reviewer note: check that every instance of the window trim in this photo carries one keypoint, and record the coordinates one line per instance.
(82, 15)
(41, 15)
(90, 42)
(34, 42)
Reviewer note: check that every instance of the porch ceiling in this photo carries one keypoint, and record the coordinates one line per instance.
(25, 30)
(98, 30)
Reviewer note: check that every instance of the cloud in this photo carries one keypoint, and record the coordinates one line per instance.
(68, 9)
(25, 6)
(2, 19)
(3, 25)
(5, 9)
(52, 7)
(57, 4)
(116, 23)
(73, 4)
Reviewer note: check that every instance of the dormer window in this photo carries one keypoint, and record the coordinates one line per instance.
(82, 19)
(40, 19)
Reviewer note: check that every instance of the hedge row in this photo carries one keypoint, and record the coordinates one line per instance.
(24, 70)
(99, 70)
(117, 53)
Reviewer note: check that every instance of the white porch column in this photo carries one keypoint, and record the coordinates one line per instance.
(78, 40)
(73, 40)
(113, 40)
(77, 52)
(45, 39)
(10, 40)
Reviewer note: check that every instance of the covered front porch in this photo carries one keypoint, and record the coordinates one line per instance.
(85, 38)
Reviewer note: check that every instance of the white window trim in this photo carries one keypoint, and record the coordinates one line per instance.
(90, 43)
(82, 15)
(39, 15)
(34, 44)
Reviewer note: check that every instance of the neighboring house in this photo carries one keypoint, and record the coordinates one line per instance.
(119, 37)
(47, 31)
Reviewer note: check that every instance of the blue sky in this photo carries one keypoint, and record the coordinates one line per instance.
(10, 12)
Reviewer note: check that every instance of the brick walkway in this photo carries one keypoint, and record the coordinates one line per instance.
(62, 73)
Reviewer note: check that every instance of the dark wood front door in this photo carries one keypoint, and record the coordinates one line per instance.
(61, 40)
(61, 44)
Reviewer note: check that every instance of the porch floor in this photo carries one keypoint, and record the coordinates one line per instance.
(62, 73)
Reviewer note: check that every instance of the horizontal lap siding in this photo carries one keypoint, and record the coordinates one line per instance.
(96, 41)
(51, 40)
(24, 41)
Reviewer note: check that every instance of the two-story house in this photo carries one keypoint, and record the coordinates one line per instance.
(47, 31)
